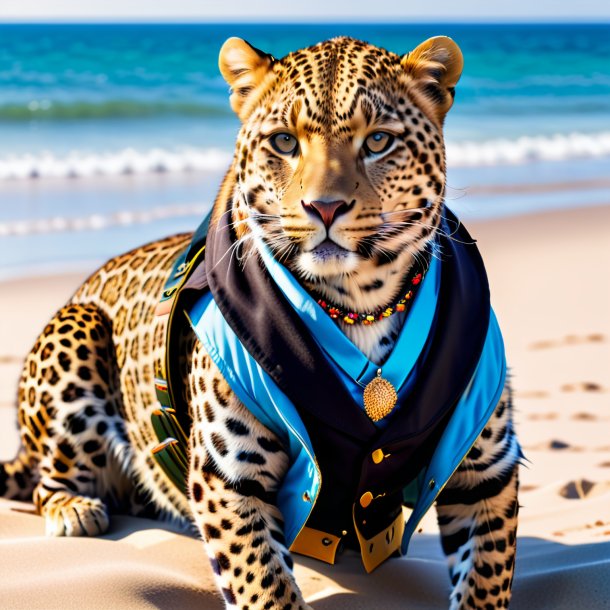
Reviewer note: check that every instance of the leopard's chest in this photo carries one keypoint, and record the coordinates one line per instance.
(377, 340)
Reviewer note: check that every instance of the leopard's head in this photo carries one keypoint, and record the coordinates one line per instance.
(339, 163)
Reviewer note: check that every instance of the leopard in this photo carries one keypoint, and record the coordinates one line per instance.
(340, 166)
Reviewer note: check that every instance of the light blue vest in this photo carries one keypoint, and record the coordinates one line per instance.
(259, 393)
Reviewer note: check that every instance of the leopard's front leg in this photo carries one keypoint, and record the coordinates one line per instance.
(236, 467)
(477, 514)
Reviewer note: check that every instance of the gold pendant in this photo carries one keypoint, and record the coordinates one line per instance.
(379, 397)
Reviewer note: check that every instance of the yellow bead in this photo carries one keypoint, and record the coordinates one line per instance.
(377, 456)
(366, 498)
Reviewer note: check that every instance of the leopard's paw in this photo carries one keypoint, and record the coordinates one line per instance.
(68, 515)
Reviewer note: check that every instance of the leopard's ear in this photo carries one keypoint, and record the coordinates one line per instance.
(244, 68)
(435, 67)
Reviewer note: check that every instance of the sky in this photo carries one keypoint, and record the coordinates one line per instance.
(311, 10)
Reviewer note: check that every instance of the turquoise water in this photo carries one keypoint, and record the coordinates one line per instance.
(112, 134)
(518, 80)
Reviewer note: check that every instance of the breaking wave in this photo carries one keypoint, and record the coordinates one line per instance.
(526, 149)
(129, 161)
(98, 222)
(125, 162)
(45, 109)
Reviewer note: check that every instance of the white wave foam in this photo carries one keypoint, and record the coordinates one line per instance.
(97, 222)
(125, 162)
(526, 149)
(156, 161)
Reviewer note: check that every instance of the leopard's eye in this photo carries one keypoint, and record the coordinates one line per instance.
(284, 143)
(378, 142)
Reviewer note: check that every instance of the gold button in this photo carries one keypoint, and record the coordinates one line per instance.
(366, 498)
(377, 456)
(344, 533)
(306, 497)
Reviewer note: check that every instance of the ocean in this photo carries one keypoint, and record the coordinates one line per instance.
(112, 135)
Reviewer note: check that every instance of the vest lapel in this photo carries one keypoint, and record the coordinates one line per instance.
(358, 369)
(276, 337)
(455, 343)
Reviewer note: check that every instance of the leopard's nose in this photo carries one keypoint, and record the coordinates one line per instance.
(327, 211)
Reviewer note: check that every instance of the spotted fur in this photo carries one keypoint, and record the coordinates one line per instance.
(349, 222)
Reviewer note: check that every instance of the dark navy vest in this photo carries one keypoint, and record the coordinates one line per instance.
(368, 473)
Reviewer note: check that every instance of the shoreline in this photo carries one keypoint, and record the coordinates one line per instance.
(49, 221)
(34, 271)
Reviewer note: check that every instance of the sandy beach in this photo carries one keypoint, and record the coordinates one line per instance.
(550, 290)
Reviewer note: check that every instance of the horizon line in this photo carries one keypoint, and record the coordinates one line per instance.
(400, 20)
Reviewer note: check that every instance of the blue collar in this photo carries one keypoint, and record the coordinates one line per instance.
(336, 345)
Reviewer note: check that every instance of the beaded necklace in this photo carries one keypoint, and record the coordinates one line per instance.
(414, 280)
